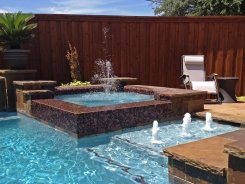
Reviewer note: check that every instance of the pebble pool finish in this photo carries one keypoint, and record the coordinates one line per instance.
(103, 99)
(31, 152)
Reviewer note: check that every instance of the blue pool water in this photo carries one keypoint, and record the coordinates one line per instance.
(103, 99)
(31, 152)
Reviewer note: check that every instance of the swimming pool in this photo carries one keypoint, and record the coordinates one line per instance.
(31, 152)
(101, 98)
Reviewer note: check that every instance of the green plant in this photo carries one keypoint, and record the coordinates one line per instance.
(241, 98)
(198, 7)
(15, 29)
(77, 83)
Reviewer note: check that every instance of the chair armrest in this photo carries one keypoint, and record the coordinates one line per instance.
(186, 81)
(183, 77)
(213, 76)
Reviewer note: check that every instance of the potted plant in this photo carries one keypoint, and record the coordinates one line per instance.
(15, 30)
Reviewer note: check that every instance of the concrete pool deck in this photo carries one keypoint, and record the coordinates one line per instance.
(219, 159)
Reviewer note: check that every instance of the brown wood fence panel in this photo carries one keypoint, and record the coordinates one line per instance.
(148, 48)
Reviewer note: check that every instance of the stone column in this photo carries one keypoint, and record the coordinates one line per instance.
(10, 76)
(32, 90)
(2, 94)
(236, 162)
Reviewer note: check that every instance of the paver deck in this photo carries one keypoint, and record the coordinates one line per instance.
(210, 155)
(230, 112)
(207, 154)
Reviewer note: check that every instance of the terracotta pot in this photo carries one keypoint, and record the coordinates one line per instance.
(16, 58)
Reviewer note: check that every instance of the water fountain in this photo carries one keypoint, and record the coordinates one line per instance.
(104, 74)
(154, 135)
(209, 121)
(104, 71)
(186, 125)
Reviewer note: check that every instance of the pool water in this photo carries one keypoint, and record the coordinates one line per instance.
(31, 152)
(103, 99)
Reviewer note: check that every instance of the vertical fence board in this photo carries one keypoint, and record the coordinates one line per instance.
(239, 65)
(86, 53)
(64, 35)
(143, 46)
(148, 48)
(45, 50)
(116, 43)
(35, 48)
(123, 49)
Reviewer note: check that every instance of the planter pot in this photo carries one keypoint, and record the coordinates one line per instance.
(16, 58)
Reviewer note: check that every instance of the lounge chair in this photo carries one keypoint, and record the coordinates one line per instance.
(194, 77)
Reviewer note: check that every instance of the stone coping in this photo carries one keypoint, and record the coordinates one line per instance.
(163, 91)
(62, 90)
(79, 109)
(35, 82)
(228, 112)
(206, 154)
(17, 71)
(34, 85)
(237, 148)
(37, 92)
(159, 92)
(121, 79)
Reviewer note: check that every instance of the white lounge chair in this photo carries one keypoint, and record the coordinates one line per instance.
(194, 76)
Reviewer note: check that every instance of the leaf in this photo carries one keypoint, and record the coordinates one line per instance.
(15, 29)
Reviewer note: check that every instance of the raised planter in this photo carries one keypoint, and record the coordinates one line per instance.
(16, 58)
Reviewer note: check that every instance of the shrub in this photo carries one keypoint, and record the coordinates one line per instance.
(72, 58)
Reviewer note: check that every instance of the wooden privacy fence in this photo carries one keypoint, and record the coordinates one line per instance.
(148, 48)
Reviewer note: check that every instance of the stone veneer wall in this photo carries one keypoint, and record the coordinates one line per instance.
(236, 161)
(26, 91)
(236, 170)
(182, 172)
(10, 76)
(2, 94)
(207, 161)
(182, 100)
(24, 98)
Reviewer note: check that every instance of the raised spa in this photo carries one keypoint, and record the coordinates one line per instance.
(82, 111)
(103, 99)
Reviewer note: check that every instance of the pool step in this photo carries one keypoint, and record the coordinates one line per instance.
(9, 118)
(134, 160)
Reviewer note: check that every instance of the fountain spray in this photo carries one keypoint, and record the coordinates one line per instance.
(209, 121)
(154, 135)
(186, 125)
